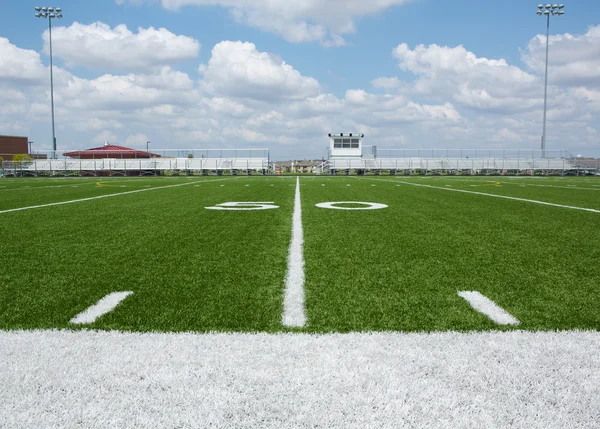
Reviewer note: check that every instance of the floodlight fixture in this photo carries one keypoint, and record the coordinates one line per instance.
(556, 10)
(50, 13)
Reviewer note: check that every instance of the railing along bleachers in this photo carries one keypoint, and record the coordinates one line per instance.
(195, 161)
(459, 161)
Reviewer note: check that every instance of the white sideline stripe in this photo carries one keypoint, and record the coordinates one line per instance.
(493, 195)
(488, 307)
(554, 186)
(43, 187)
(99, 379)
(105, 305)
(105, 196)
(293, 304)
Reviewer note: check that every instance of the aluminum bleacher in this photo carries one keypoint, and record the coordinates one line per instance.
(197, 161)
(477, 161)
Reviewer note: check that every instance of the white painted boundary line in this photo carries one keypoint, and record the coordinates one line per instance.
(98, 379)
(108, 196)
(488, 307)
(105, 305)
(491, 195)
(553, 186)
(45, 187)
(293, 305)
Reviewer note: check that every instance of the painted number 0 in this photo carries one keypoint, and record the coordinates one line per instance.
(366, 206)
(238, 205)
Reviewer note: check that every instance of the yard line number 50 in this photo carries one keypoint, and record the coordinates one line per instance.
(334, 205)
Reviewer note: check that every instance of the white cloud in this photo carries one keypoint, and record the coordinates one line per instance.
(100, 47)
(128, 92)
(573, 60)
(296, 20)
(105, 136)
(20, 66)
(457, 75)
(253, 98)
(386, 82)
(239, 70)
(136, 140)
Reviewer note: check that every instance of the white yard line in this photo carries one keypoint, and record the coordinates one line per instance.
(293, 305)
(31, 188)
(105, 305)
(488, 307)
(490, 195)
(105, 196)
(96, 379)
(553, 186)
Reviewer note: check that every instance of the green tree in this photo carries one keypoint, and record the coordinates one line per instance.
(22, 157)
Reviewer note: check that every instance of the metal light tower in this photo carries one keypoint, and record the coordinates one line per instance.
(547, 10)
(50, 13)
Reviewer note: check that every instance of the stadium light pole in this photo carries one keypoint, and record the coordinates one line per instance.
(50, 13)
(147, 143)
(547, 10)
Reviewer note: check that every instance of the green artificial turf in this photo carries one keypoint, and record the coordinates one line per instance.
(398, 268)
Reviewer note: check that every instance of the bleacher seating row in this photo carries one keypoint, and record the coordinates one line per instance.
(459, 164)
(153, 164)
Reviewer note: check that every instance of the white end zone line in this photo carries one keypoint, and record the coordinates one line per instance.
(488, 307)
(491, 195)
(293, 304)
(105, 305)
(107, 196)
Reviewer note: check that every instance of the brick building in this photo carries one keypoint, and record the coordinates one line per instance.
(11, 145)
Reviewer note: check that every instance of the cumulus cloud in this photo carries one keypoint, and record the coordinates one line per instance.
(574, 60)
(20, 66)
(127, 92)
(238, 69)
(98, 46)
(386, 82)
(105, 136)
(298, 20)
(458, 75)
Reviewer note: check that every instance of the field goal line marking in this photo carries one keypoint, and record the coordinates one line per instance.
(294, 314)
(105, 305)
(506, 197)
(108, 196)
(486, 306)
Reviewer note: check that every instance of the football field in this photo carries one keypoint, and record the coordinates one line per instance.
(392, 253)
(316, 301)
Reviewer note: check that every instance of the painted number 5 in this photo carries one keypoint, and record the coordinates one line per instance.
(244, 205)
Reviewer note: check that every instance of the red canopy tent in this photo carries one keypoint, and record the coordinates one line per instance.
(110, 151)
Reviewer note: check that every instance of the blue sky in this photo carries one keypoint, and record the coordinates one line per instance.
(281, 74)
